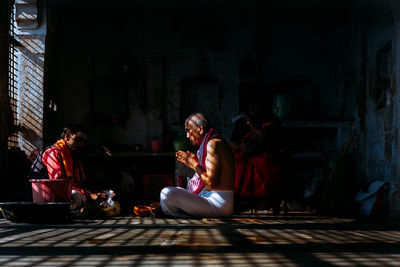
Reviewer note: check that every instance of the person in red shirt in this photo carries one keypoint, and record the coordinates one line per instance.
(61, 161)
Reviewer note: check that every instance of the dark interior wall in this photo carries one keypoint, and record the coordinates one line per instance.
(5, 8)
(377, 97)
(122, 70)
(126, 70)
(309, 54)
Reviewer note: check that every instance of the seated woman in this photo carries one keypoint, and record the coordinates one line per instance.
(258, 162)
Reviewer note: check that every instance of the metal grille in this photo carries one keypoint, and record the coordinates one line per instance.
(13, 78)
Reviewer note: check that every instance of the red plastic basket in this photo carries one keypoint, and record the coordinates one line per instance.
(46, 190)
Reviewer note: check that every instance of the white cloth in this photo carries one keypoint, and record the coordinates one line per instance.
(368, 199)
(178, 202)
(372, 189)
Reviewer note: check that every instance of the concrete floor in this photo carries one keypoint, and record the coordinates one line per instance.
(296, 239)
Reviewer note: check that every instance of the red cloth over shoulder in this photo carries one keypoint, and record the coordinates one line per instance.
(60, 165)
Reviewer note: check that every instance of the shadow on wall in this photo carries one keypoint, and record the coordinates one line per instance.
(201, 94)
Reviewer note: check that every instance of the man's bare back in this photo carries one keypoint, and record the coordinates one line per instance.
(219, 165)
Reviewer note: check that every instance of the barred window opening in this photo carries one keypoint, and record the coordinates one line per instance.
(13, 79)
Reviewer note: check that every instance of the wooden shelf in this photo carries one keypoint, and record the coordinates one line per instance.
(310, 154)
(317, 124)
(133, 154)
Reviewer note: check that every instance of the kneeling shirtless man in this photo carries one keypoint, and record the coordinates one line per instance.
(210, 191)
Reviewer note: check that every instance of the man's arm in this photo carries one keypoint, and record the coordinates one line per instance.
(213, 162)
(213, 165)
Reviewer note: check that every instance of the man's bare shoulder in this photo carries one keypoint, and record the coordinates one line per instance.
(216, 144)
(215, 141)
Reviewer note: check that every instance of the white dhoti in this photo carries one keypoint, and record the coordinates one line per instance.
(178, 202)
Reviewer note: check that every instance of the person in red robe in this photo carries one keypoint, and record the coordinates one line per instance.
(61, 161)
(258, 162)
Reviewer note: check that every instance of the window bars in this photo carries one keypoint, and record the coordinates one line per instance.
(13, 79)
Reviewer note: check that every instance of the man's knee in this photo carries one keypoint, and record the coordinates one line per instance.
(166, 193)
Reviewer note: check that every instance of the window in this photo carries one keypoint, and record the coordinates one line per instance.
(12, 78)
(25, 76)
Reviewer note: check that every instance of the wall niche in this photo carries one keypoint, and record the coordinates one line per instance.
(382, 92)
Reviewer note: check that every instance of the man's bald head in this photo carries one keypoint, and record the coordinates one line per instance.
(199, 119)
(196, 126)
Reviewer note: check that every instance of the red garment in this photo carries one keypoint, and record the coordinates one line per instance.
(258, 174)
(60, 167)
(258, 179)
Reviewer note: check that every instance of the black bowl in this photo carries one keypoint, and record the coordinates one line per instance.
(49, 212)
